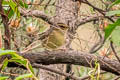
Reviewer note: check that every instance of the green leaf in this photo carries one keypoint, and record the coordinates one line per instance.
(11, 52)
(115, 36)
(11, 13)
(109, 29)
(23, 62)
(20, 61)
(23, 76)
(5, 52)
(5, 63)
(5, 2)
(21, 3)
(114, 3)
(12, 5)
(4, 78)
(25, 5)
(30, 68)
(111, 13)
(17, 12)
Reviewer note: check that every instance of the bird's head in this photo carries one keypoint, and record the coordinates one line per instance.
(63, 26)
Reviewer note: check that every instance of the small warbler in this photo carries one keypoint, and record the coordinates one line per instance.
(56, 39)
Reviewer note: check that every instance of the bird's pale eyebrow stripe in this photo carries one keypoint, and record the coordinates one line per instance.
(62, 25)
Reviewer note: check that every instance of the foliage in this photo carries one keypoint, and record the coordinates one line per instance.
(4, 78)
(109, 29)
(12, 7)
(114, 3)
(113, 28)
(111, 13)
(93, 72)
(17, 59)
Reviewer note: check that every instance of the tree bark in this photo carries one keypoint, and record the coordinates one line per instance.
(73, 57)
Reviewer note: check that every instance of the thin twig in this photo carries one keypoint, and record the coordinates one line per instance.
(12, 74)
(111, 44)
(87, 19)
(117, 78)
(98, 45)
(86, 77)
(98, 9)
(31, 46)
(47, 4)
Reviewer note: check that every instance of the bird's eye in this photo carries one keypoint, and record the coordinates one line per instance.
(62, 25)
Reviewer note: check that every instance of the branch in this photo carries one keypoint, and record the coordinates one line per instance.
(6, 27)
(36, 13)
(87, 19)
(73, 57)
(98, 45)
(117, 78)
(98, 9)
(42, 15)
(58, 72)
(111, 44)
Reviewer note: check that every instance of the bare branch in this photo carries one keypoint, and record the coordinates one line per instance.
(117, 78)
(111, 44)
(58, 72)
(6, 26)
(98, 9)
(98, 45)
(36, 13)
(42, 15)
(87, 19)
(73, 57)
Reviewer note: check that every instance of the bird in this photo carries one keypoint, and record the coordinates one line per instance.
(57, 37)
